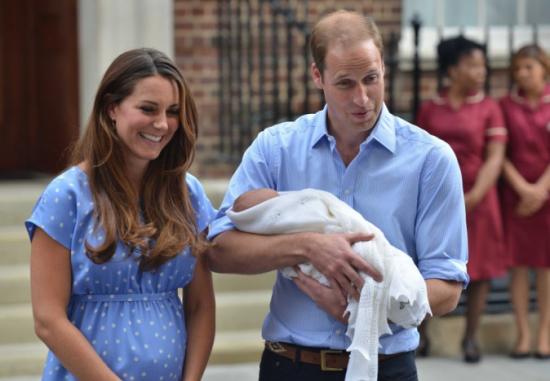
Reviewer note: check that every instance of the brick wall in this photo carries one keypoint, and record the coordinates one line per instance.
(196, 23)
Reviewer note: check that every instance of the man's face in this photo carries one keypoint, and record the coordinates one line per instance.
(353, 84)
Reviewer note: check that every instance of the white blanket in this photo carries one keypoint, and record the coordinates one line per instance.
(401, 297)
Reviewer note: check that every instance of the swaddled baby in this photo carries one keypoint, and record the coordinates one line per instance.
(401, 297)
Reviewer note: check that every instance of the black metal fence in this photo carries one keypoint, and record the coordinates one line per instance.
(264, 65)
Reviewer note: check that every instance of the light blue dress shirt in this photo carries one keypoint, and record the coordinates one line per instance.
(403, 180)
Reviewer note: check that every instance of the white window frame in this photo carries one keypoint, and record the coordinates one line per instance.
(497, 36)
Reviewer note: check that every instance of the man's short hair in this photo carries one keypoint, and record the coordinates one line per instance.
(343, 27)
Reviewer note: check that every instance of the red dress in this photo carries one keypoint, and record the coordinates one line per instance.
(527, 238)
(468, 130)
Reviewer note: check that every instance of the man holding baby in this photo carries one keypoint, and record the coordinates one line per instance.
(398, 177)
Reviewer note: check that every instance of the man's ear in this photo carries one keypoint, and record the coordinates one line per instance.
(317, 76)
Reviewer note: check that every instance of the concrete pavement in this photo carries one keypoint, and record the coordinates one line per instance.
(497, 368)
(491, 368)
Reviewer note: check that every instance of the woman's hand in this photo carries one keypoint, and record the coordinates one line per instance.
(532, 198)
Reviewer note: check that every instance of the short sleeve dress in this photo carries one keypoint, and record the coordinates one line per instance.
(468, 130)
(133, 319)
(527, 238)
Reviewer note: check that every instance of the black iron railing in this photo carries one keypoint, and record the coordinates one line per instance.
(264, 68)
(264, 65)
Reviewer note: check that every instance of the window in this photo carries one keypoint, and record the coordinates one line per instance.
(502, 24)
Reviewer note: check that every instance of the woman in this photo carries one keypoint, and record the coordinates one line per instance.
(472, 125)
(117, 234)
(526, 206)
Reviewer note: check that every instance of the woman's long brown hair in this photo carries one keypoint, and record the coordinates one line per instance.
(162, 211)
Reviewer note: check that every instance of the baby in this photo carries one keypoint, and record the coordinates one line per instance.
(401, 297)
(252, 198)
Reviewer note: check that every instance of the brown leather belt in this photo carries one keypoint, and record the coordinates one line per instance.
(327, 359)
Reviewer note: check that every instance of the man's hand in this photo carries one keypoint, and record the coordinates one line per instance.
(333, 256)
(329, 299)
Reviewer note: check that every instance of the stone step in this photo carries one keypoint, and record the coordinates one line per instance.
(22, 359)
(496, 336)
(238, 282)
(243, 310)
(234, 311)
(15, 247)
(237, 311)
(27, 359)
(16, 324)
(15, 283)
(237, 347)
(18, 198)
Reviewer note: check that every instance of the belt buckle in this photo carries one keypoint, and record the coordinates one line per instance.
(324, 366)
(275, 346)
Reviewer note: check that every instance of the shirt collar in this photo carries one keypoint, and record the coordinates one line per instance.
(320, 127)
(383, 131)
(474, 97)
(519, 97)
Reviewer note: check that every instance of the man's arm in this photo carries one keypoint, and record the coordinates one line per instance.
(238, 252)
(441, 239)
(245, 253)
(443, 295)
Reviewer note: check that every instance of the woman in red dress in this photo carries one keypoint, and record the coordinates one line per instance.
(526, 205)
(472, 124)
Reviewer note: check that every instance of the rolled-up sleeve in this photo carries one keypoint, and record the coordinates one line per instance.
(441, 236)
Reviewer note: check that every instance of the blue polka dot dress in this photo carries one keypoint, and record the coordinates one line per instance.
(133, 319)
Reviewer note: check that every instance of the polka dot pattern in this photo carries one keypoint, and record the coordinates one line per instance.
(133, 319)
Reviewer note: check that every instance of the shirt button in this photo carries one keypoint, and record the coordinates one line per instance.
(338, 331)
(347, 192)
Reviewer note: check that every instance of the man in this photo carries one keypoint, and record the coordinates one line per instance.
(397, 176)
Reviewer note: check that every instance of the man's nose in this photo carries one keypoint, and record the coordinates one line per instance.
(360, 96)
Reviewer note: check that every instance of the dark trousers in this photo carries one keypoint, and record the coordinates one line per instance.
(277, 368)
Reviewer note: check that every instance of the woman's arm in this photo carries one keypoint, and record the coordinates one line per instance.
(200, 321)
(544, 180)
(50, 293)
(532, 196)
(487, 175)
